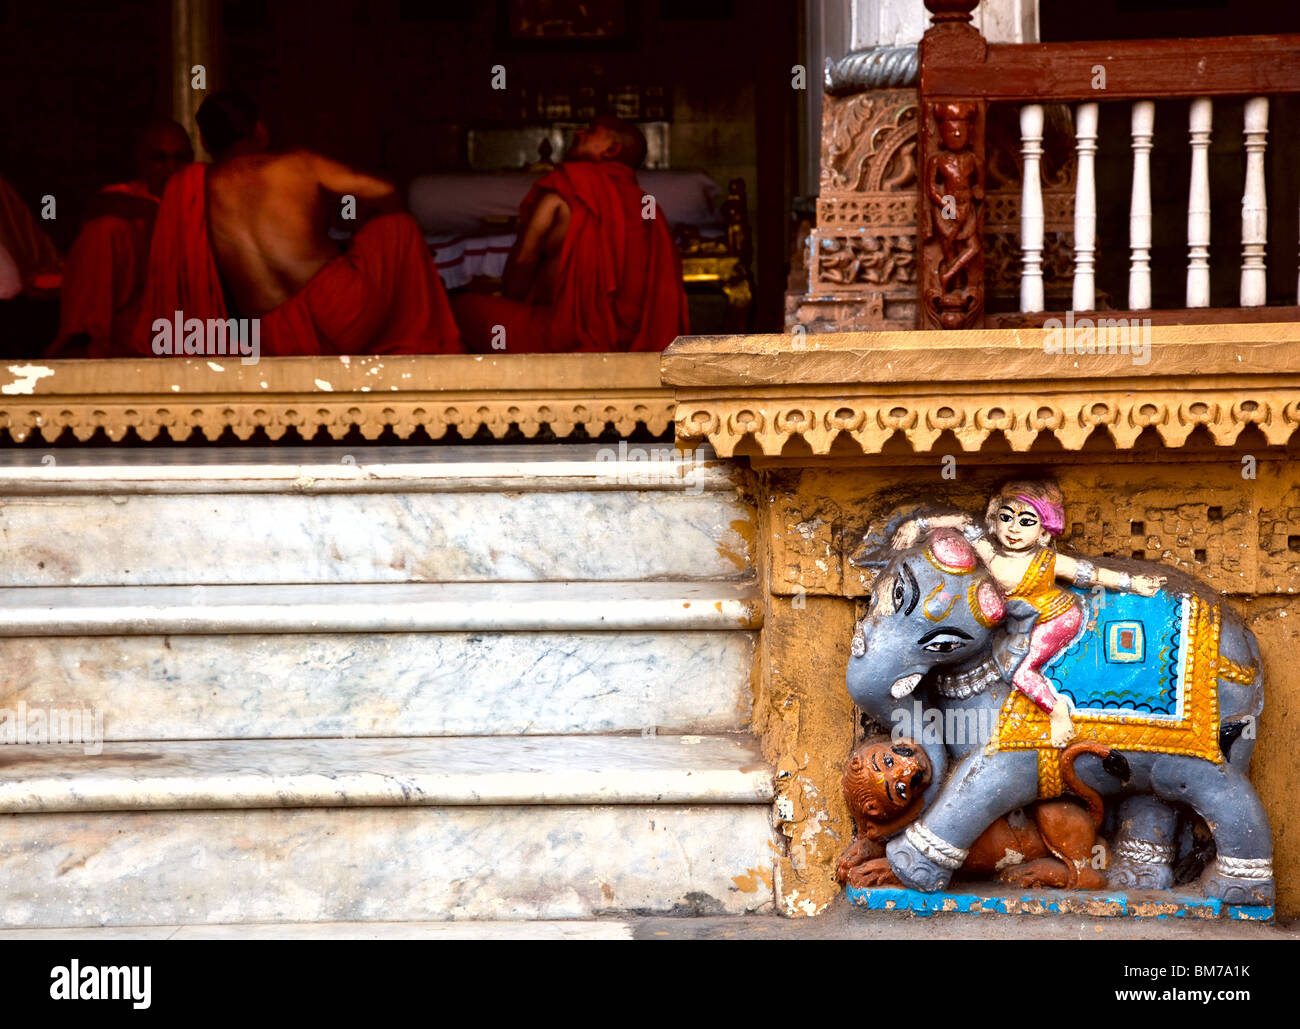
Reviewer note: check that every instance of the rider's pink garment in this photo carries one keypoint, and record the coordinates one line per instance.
(1059, 618)
(1046, 641)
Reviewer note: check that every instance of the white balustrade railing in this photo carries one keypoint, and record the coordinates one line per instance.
(1198, 204)
(1085, 208)
(1254, 207)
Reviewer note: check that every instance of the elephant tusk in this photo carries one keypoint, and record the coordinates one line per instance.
(902, 687)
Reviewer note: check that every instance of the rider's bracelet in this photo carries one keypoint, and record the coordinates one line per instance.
(1085, 574)
(923, 525)
(973, 533)
(1125, 581)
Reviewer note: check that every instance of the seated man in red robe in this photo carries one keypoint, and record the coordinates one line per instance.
(594, 267)
(248, 237)
(29, 260)
(105, 270)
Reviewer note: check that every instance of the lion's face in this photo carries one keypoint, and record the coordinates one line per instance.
(884, 776)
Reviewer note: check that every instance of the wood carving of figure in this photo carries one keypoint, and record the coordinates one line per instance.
(955, 183)
(1022, 519)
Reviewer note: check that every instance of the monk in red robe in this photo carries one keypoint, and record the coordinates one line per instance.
(248, 237)
(594, 267)
(104, 274)
(29, 260)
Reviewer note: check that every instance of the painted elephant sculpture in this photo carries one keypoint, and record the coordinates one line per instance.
(1179, 685)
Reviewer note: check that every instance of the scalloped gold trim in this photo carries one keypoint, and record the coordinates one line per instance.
(308, 394)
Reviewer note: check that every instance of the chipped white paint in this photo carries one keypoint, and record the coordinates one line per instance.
(1011, 857)
(322, 384)
(28, 375)
(794, 906)
(216, 367)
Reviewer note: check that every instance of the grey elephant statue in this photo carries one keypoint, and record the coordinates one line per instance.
(1009, 650)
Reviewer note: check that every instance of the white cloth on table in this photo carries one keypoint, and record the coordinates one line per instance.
(460, 257)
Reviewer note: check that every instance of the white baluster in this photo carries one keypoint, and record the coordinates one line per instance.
(1254, 207)
(1031, 208)
(1139, 217)
(1198, 205)
(1085, 209)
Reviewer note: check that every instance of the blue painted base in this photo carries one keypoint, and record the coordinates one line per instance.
(1135, 904)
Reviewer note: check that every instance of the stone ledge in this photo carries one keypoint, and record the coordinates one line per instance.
(410, 772)
(379, 607)
(873, 386)
(322, 470)
(465, 392)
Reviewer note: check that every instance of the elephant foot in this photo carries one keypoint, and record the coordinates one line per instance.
(1240, 881)
(921, 860)
(1141, 865)
(1138, 875)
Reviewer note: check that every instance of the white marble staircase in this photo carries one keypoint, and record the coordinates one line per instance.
(392, 685)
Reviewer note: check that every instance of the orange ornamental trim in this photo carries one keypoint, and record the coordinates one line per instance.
(868, 393)
(340, 395)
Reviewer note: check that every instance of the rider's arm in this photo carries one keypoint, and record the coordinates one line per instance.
(1068, 569)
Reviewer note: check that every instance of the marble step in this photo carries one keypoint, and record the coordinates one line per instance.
(379, 607)
(394, 515)
(382, 684)
(417, 772)
(317, 831)
(169, 663)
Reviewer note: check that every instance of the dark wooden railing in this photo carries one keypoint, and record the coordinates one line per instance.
(962, 73)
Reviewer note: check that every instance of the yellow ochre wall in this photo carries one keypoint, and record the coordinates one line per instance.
(1198, 511)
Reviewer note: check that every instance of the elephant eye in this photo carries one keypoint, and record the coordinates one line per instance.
(898, 594)
(901, 790)
(945, 645)
(889, 761)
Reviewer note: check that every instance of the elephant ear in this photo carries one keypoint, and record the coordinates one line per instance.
(875, 550)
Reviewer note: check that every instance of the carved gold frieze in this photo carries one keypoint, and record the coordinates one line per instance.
(913, 388)
(370, 394)
(974, 417)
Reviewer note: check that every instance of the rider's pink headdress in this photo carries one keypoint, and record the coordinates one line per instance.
(1051, 515)
(1043, 496)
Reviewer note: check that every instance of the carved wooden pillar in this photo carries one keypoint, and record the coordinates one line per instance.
(950, 212)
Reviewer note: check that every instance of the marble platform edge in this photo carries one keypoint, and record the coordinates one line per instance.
(199, 775)
(378, 607)
(465, 929)
(1097, 904)
(612, 467)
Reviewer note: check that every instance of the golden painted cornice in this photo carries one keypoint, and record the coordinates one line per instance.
(334, 393)
(869, 386)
